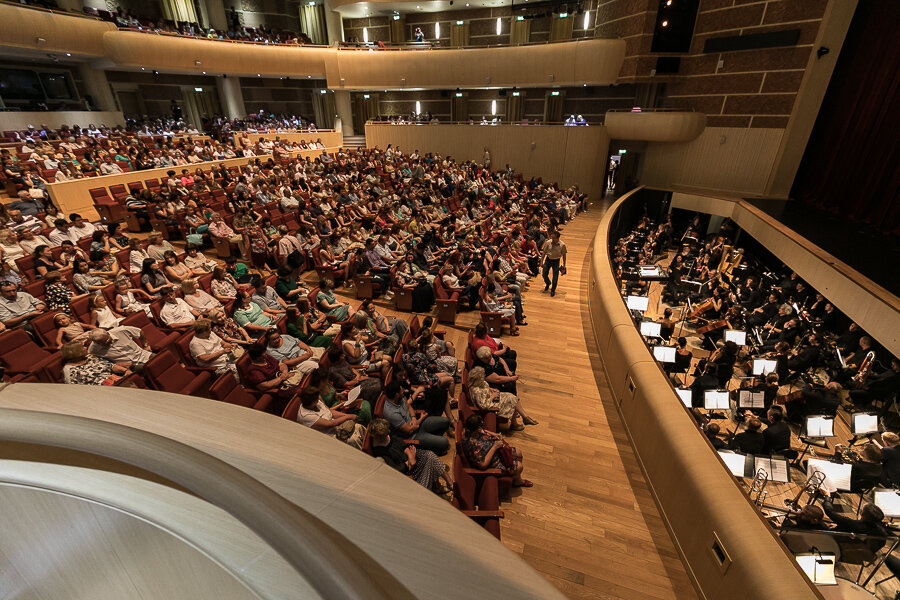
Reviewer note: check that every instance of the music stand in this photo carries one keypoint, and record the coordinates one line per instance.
(686, 397)
(740, 465)
(664, 354)
(751, 399)
(817, 427)
(651, 329)
(862, 426)
(763, 366)
(716, 400)
(638, 303)
(819, 568)
(776, 467)
(738, 337)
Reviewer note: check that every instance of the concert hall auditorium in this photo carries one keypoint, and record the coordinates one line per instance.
(447, 299)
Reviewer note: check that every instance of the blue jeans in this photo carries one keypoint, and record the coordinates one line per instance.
(431, 435)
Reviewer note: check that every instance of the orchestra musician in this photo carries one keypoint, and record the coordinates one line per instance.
(866, 471)
(878, 387)
(751, 440)
(765, 313)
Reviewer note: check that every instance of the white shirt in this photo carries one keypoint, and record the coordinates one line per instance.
(310, 417)
(123, 346)
(57, 236)
(177, 312)
(200, 347)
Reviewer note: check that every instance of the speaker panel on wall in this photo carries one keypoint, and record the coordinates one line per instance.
(674, 25)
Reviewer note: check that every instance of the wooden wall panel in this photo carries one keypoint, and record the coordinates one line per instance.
(23, 28)
(655, 126)
(567, 155)
(54, 119)
(729, 159)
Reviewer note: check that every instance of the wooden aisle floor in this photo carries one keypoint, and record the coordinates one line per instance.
(589, 523)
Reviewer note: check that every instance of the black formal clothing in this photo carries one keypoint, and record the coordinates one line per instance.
(855, 525)
(890, 464)
(394, 454)
(777, 437)
(865, 475)
(749, 442)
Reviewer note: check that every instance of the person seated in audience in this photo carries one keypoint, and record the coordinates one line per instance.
(509, 407)
(344, 377)
(70, 330)
(869, 523)
(227, 328)
(10, 250)
(210, 351)
(305, 326)
(44, 262)
(57, 294)
(29, 241)
(175, 312)
(319, 379)
(80, 227)
(751, 440)
(157, 246)
(69, 253)
(327, 303)
(102, 315)
(428, 430)
(497, 348)
(287, 287)
(251, 316)
(175, 270)
(18, 308)
(383, 327)
(429, 346)
(118, 240)
(129, 300)
(223, 286)
(267, 298)
(452, 284)
(314, 414)
(218, 228)
(124, 345)
(197, 262)
(197, 298)
(266, 374)
(290, 351)
(137, 255)
(512, 316)
(153, 279)
(359, 355)
(497, 372)
(418, 284)
(84, 281)
(483, 450)
(81, 368)
(422, 465)
(422, 372)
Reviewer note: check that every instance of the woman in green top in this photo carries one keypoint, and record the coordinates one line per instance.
(328, 303)
(330, 396)
(299, 327)
(250, 316)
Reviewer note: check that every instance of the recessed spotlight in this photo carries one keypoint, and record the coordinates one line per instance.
(258, 75)
(665, 23)
(309, 76)
(142, 68)
(204, 72)
(68, 54)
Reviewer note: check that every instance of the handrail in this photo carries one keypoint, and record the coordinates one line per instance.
(649, 110)
(314, 550)
(418, 46)
(476, 122)
(207, 39)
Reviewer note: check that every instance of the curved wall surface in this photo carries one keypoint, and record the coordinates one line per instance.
(662, 126)
(578, 62)
(707, 514)
(434, 551)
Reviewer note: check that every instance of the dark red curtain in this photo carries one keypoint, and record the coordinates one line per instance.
(851, 166)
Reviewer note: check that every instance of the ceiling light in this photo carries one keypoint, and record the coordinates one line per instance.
(204, 72)
(68, 54)
(665, 23)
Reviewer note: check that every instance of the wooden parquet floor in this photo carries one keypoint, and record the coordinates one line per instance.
(589, 523)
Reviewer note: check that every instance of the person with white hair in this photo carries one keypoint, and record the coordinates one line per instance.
(123, 345)
(508, 405)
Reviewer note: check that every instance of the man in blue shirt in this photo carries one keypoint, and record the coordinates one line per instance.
(429, 431)
(26, 204)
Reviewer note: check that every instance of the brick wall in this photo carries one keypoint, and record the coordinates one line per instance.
(750, 88)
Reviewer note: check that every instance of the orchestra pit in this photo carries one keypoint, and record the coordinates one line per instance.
(384, 300)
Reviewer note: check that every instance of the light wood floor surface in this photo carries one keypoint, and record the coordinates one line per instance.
(589, 523)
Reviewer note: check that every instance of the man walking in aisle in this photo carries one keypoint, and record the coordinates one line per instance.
(554, 250)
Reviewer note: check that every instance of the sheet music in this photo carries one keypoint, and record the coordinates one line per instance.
(764, 367)
(664, 354)
(734, 462)
(748, 399)
(686, 397)
(837, 477)
(352, 395)
(777, 468)
(889, 502)
(819, 427)
(639, 303)
(738, 337)
(716, 400)
(651, 328)
(864, 423)
(840, 358)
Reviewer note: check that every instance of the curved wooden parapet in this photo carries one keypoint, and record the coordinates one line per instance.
(315, 550)
(728, 549)
(405, 540)
(52, 32)
(654, 125)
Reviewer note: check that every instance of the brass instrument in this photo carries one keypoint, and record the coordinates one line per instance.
(865, 368)
(812, 485)
(758, 487)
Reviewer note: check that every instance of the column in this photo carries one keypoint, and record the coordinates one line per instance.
(231, 98)
(334, 23)
(97, 87)
(344, 111)
(212, 12)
